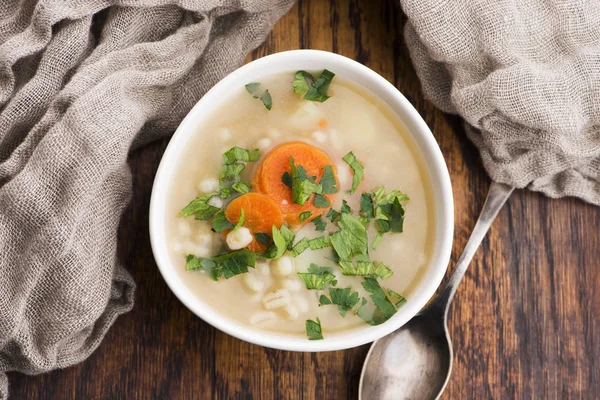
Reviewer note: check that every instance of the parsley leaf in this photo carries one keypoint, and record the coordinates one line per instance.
(220, 223)
(198, 205)
(240, 220)
(333, 215)
(314, 331)
(389, 212)
(401, 299)
(317, 278)
(365, 268)
(351, 240)
(328, 181)
(300, 246)
(324, 300)
(318, 90)
(288, 235)
(242, 187)
(280, 243)
(377, 240)
(232, 170)
(239, 154)
(302, 82)
(345, 208)
(253, 89)
(266, 99)
(302, 186)
(263, 238)
(286, 178)
(366, 205)
(384, 306)
(319, 242)
(320, 224)
(226, 265)
(344, 298)
(358, 169)
(305, 215)
(321, 201)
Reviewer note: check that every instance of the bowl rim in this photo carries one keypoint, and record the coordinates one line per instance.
(435, 165)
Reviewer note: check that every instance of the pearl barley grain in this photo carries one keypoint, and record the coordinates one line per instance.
(264, 143)
(215, 201)
(209, 185)
(239, 238)
(262, 317)
(277, 299)
(319, 136)
(253, 282)
(283, 266)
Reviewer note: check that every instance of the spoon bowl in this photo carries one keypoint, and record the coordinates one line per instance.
(415, 361)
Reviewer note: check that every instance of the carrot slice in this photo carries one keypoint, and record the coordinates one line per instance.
(260, 214)
(268, 178)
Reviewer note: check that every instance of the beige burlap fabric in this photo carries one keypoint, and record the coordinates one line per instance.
(81, 81)
(525, 75)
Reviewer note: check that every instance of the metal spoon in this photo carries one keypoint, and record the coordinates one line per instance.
(415, 361)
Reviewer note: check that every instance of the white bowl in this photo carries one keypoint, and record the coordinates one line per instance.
(292, 61)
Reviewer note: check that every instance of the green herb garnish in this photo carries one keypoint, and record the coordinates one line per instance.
(344, 298)
(345, 208)
(302, 82)
(358, 169)
(317, 278)
(232, 170)
(318, 90)
(200, 208)
(263, 238)
(365, 268)
(385, 308)
(282, 240)
(242, 187)
(226, 265)
(265, 97)
(300, 246)
(319, 222)
(302, 186)
(401, 299)
(236, 154)
(351, 240)
(333, 215)
(241, 220)
(314, 330)
(220, 222)
(321, 201)
(305, 215)
(328, 181)
(314, 244)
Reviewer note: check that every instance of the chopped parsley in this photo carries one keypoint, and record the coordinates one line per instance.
(200, 208)
(385, 309)
(254, 88)
(305, 215)
(351, 240)
(241, 220)
(314, 244)
(302, 186)
(220, 222)
(282, 239)
(236, 154)
(263, 238)
(358, 169)
(317, 278)
(328, 181)
(345, 208)
(344, 298)
(312, 89)
(314, 331)
(333, 215)
(365, 268)
(225, 265)
(302, 82)
(319, 222)
(321, 201)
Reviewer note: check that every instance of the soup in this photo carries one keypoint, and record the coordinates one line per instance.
(302, 207)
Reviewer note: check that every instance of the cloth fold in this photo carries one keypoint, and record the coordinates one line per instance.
(81, 82)
(525, 76)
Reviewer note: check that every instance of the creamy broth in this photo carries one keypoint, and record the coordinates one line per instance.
(271, 296)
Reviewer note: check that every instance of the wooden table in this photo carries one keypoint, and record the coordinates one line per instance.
(525, 322)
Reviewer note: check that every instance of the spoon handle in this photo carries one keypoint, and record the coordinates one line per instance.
(496, 197)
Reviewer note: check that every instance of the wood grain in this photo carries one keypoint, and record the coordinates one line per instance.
(525, 322)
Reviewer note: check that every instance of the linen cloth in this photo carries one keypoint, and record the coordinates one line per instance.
(81, 82)
(525, 76)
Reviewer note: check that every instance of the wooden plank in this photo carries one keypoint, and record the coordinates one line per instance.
(525, 321)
